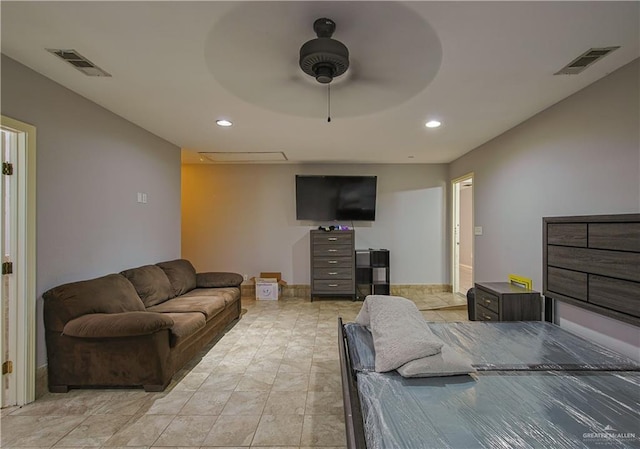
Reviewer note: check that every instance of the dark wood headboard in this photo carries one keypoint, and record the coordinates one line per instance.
(593, 262)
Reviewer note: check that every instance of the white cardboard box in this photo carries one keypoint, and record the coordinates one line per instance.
(267, 288)
(264, 285)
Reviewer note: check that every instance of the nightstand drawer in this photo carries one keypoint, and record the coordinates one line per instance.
(484, 314)
(487, 300)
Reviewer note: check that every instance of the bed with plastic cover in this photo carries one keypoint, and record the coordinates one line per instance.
(534, 386)
(530, 384)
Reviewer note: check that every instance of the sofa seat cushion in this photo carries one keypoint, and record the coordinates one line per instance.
(107, 294)
(151, 283)
(184, 326)
(114, 325)
(229, 295)
(181, 274)
(210, 306)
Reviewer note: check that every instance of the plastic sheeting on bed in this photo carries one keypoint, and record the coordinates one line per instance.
(507, 346)
(499, 410)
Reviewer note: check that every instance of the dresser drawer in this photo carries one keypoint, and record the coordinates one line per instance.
(488, 300)
(333, 262)
(333, 250)
(333, 273)
(337, 286)
(484, 314)
(326, 238)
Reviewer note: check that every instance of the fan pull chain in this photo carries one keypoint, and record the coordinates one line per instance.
(329, 103)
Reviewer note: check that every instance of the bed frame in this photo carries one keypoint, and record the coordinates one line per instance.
(588, 261)
(351, 399)
(592, 262)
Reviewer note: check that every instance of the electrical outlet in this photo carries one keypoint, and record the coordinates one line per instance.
(246, 277)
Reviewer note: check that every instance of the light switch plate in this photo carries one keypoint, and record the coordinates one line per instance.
(477, 230)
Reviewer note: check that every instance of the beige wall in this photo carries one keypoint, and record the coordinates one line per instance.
(579, 157)
(90, 166)
(242, 218)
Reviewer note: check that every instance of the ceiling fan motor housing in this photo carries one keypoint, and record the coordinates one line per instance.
(324, 58)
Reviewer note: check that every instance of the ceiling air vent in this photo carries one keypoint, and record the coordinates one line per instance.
(243, 156)
(585, 60)
(79, 62)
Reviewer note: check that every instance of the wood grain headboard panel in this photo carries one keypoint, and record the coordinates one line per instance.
(593, 262)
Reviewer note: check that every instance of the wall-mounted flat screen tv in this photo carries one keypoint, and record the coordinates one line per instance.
(335, 198)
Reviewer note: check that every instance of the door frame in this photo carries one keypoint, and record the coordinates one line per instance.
(455, 228)
(25, 259)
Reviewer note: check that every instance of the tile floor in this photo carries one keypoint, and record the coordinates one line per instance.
(273, 380)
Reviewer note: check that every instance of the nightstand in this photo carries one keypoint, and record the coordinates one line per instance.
(503, 301)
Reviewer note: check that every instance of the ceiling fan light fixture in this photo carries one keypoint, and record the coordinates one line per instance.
(324, 72)
(324, 58)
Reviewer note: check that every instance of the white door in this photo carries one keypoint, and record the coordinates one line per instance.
(455, 232)
(17, 246)
(8, 290)
(462, 234)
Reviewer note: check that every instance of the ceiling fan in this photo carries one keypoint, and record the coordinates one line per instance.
(299, 55)
(324, 58)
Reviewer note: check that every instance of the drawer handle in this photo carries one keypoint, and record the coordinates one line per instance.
(332, 250)
(333, 285)
(333, 239)
(486, 301)
(486, 317)
(333, 273)
(333, 261)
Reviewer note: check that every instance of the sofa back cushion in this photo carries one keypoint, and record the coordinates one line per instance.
(108, 294)
(151, 283)
(181, 274)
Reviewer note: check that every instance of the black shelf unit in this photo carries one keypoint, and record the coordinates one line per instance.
(372, 272)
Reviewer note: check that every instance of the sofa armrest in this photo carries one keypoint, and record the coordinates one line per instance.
(111, 325)
(218, 279)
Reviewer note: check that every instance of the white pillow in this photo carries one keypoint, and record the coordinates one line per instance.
(400, 333)
(447, 363)
(363, 316)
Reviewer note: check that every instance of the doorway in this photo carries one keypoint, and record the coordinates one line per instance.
(462, 233)
(17, 245)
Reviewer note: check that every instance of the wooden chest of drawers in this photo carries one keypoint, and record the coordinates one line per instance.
(502, 301)
(332, 263)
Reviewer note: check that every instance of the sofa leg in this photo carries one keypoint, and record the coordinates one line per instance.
(154, 388)
(58, 388)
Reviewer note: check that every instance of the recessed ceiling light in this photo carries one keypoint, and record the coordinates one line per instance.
(432, 124)
(223, 122)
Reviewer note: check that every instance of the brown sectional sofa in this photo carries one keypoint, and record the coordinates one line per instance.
(135, 328)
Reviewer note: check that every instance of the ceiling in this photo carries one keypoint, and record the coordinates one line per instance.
(479, 67)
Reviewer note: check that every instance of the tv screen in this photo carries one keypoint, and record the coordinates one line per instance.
(333, 198)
